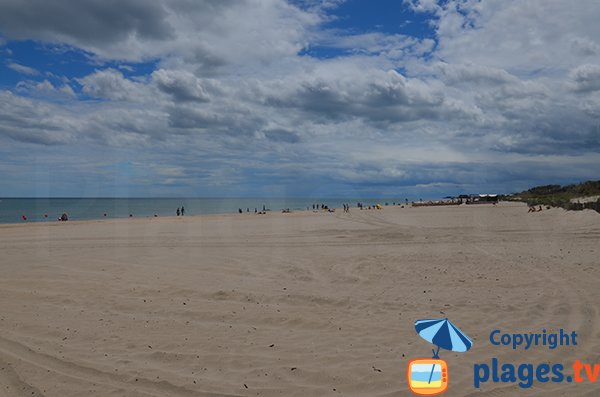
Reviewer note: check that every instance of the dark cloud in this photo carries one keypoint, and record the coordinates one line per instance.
(373, 96)
(231, 121)
(586, 78)
(279, 135)
(84, 22)
(190, 118)
(182, 86)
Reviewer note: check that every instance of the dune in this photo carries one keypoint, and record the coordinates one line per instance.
(301, 304)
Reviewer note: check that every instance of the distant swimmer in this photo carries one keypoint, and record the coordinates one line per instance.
(182, 210)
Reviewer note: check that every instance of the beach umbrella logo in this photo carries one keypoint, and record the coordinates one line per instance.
(429, 376)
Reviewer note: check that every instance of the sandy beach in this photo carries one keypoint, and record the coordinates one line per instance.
(301, 304)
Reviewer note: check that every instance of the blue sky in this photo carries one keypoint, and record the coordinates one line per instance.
(304, 98)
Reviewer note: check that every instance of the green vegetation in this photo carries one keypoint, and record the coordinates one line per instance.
(560, 196)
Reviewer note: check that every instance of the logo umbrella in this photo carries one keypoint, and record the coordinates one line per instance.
(442, 333)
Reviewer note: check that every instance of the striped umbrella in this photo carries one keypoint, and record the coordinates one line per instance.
(442, 333)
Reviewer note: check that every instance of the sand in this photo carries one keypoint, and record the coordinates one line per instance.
(302, 304)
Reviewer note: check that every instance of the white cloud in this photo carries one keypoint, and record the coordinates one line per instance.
(111, 84)
(391, 46)
(22, 69)
(523, 38)
(66, 89)
(472, 74)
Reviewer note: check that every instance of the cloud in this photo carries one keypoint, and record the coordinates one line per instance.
(204, 34)
(584, 46)
(282, 135)
(390, 46)
(182, 86)
(586, 78)
(93, 25)
(44, 90)
(67, 90)
(456, 74)
(541, 38)
(22, 69)
(372, 95)
(505, 94)
(27, 120)
(424, 5)
(111, 84)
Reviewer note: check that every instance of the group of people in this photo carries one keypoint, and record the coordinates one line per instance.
(363, 206)
(180, 211)
(532, 209)
(315, 207)
(256, 211)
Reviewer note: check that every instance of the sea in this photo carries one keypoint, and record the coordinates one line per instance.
(17, 210)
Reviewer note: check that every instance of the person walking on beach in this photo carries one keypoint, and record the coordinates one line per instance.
(182, 210)
(178, 212)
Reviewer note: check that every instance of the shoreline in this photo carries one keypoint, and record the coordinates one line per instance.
(207, 216)
(168, 217)
(248, 215)
(48, 210)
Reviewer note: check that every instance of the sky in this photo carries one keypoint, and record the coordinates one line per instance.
(303, 98)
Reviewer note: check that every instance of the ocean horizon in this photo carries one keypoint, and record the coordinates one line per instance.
(13, 209)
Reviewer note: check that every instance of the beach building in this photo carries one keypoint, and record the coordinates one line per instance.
(477, 198)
